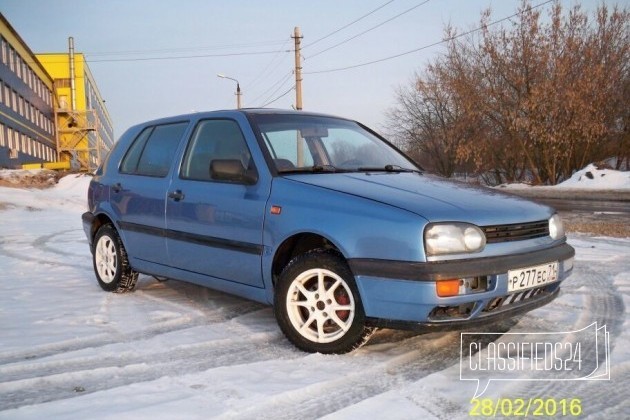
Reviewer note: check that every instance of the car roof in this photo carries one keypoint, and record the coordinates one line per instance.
(227, 112)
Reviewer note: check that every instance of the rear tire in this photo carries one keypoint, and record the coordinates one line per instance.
(317, 304)
(110, 262)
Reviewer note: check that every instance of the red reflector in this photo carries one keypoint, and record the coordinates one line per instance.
(447, 288)
(276, 209)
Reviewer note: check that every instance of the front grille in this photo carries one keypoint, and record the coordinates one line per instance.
(516, 231)
(462, 312)
(501, 302)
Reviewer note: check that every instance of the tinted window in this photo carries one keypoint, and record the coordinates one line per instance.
(130, 162)
(214, 140)
(157, 152)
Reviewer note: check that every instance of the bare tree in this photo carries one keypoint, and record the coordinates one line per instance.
(538, 98)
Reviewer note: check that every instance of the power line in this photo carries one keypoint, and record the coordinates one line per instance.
(370, 29)
(279, 97)
(268, 69)
(188, 49)
(284, 82)
(280, 82)
(430, 45)
(347, 25)
(179, 57)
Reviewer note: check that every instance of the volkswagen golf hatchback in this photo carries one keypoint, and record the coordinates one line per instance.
(323, 219)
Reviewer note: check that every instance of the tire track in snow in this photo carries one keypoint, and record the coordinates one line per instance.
(221, 314)
(602, 304)
(112, 372)
(422, 355)
(41, 244)
(74, 236)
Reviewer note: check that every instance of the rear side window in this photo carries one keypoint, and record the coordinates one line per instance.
(130, 162)
(151, 154)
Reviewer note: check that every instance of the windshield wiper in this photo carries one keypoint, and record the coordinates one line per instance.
(312, 169)
(388, 168)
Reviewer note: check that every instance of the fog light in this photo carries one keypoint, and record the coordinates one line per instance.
(446, 288)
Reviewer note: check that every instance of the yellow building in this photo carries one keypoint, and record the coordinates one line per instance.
(84, 128)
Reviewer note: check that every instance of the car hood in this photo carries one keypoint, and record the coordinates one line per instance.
(433, 198)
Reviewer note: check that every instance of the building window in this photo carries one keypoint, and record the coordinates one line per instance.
(15, 141)
(11, 58)
(14, 101)
(2, 142)
(4, 51)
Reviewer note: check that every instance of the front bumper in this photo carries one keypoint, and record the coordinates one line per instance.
(403, 294)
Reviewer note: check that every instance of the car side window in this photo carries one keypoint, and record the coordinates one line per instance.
(152, 152)
(214, 140)
(129, 164)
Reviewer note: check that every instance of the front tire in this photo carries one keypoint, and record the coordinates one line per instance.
(317, 304)
(110, 262)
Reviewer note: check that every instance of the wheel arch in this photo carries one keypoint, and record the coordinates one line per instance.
(298, 244)
(99, 220)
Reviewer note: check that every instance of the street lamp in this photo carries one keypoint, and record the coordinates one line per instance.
(238, 89)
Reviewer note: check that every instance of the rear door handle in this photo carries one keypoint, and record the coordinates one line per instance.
(176, 195)
(117, 187)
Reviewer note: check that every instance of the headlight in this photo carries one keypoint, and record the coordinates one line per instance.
(453, 238)
(556, 229)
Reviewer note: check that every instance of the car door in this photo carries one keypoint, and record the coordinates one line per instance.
(215, 225)
(138, 193)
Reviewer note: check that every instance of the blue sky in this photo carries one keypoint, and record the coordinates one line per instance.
(121, 38)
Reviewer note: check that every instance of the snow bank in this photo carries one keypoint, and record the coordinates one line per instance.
(598, 179)
(69, 194)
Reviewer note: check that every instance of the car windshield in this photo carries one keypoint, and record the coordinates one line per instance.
(307, 143)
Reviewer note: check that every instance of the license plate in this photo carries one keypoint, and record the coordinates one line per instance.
(528, 277)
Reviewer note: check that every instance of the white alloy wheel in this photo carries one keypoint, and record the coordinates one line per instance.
(320, 305)
(110, 261)
(106, 259)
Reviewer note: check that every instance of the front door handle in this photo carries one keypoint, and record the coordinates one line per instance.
(117, 187)
(176, 195)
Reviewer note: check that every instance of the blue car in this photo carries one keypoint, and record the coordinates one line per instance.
(323, 219)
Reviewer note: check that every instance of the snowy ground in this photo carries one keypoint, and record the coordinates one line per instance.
(172, 350)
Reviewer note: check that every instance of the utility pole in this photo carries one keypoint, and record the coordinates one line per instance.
(297, 36)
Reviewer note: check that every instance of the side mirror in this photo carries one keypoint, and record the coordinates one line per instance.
(232, 170)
